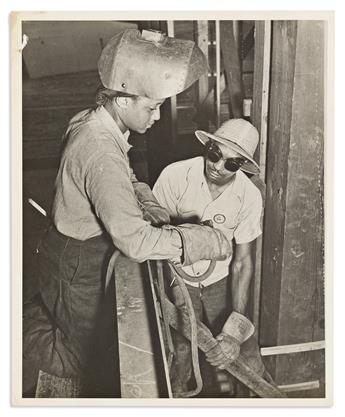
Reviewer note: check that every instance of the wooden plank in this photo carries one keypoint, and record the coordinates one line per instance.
(202, 41)
(286, 349)
(259, 119)
(302, 303)
(301, 386)
(292, 295)
(139, 351)
(218, 46)
(303, 313)
(261, 88)
(173, 99)
(162, 326)
(232, 66)
(281, 94)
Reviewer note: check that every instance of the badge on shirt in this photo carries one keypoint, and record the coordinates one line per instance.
(219, 218)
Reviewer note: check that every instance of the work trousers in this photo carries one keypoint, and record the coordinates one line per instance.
(212, 306)
(61, 323)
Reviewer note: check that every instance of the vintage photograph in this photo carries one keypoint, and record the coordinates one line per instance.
(173, 176)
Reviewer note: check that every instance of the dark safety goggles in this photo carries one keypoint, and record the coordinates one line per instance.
(214, 154)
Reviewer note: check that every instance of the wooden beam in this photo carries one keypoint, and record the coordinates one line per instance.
(262, 61)
(293, 275)
(173, 99)
(232, 66)
(205, 103)
(281, 95)
(140, 355)
(298, 347)
(218, 46)
(262, 57)
(301, 386)
(202, 40)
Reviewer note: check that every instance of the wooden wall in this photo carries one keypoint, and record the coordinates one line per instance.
(292, 302)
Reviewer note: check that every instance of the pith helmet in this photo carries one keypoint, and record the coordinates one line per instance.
(150, 64)
(240, 136)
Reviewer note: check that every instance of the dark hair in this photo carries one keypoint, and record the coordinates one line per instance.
(104, 94)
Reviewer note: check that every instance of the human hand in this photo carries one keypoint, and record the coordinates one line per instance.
(226, 351)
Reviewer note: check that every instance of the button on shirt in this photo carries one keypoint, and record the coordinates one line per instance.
(94, 192)
(183, 190)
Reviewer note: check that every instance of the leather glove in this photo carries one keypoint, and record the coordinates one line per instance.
(236, 330)
(202, 242)
(227, 351)
(239, 327)
(152, 211)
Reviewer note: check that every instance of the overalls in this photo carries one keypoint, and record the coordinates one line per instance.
(63, 322)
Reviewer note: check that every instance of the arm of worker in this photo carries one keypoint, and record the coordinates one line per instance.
(152, 211)
(245, 234)
(166, 192)
(238, 328)
(241, 275)
(109, 188)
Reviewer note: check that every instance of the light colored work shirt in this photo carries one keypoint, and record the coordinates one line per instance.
(94, 192)
(182, 189)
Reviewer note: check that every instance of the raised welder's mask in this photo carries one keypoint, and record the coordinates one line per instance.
(150, 64)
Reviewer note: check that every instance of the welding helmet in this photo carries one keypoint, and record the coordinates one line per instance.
(150, 64)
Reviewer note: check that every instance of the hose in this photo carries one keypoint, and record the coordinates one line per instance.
(180, 272)
(193, 338)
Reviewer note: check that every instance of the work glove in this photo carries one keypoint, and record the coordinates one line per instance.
(152, 211)
(236, 330)
(202, 242)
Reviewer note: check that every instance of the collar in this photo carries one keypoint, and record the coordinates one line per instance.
(110, 124)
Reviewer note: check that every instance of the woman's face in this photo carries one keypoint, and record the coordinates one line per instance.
(141, 113)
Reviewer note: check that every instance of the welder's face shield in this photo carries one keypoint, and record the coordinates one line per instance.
(150, 64)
